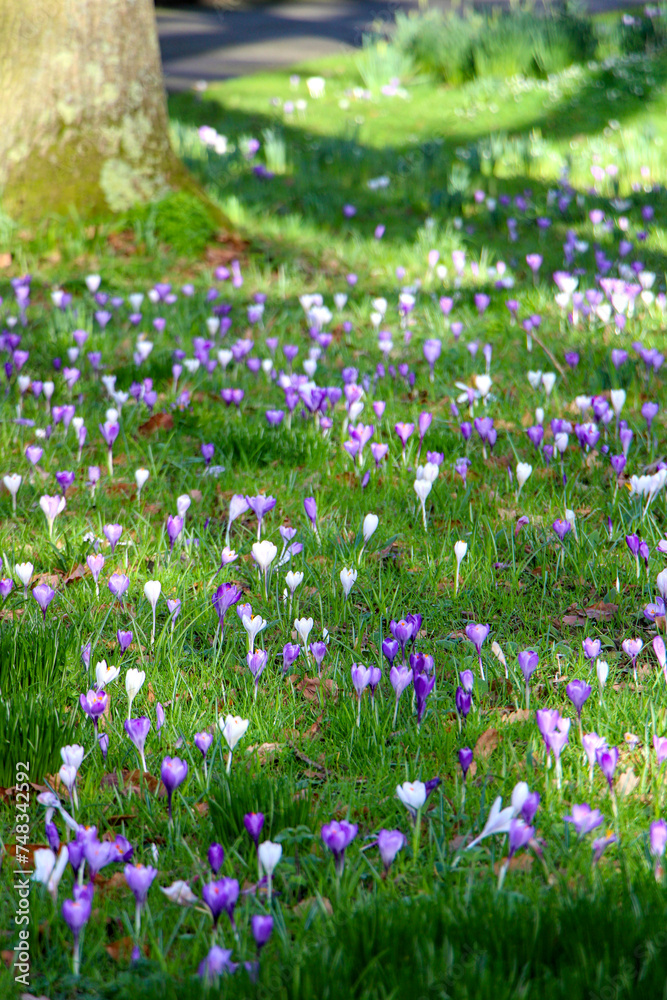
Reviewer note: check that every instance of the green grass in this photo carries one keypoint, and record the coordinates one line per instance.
(438, 924)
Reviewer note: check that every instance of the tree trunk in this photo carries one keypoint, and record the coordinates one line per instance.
(83, 118)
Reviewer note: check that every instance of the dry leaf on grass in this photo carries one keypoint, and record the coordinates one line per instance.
(312, 688)
(158, 422)
(486, 744)
(312, 902)
(521, 715)
(627, 782)
(121, 950)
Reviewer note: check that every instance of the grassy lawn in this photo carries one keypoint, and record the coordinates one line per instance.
(465, 183)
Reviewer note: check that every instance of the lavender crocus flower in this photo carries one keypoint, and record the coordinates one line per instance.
(76, 914)
(338, 837)
(216, 857)
(477, 633)
(173, 772)
(578, 692)
(389, 843)
(607, 759)
(400, 678)
(423, 685)
(584, 819)
(221, 897)
(137, 730)
(43, 594)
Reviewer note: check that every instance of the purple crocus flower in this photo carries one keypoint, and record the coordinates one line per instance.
(43, 594)
(578, 692)
(216, 857)
(389, 843)
(465, 760)
(226, 595)
(607, 758)
(528, 662)
(338, 837)
(203, 743)
(124, 640)
(217, 962)
(400, 678)
(253, 823)
(561, 528)
(173, 772)
(256, 663)
(423, 685)
(290, 654)
(262, 928)
(118, 585)
(76, 914)
(221, 897)
(310, 506)
(137, 730)
(463, 701)
(112, 533)
(260, 505)
(633, 647)
(584, 819)
(477, 633)
(389, 650)
(591, 648)
(140, 878)
(174, 528)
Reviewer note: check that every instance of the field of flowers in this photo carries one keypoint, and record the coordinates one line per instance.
(334, 558)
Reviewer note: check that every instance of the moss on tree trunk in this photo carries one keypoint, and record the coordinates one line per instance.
(83, 118)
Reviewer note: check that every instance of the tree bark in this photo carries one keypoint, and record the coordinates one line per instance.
(83, 118)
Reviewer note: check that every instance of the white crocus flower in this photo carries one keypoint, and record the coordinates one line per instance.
(268, 857)
(253, 624)
(460, 549)
(141, 476)
(152, 591)
(48, 870)
(523, 471)
(13, 484)
(422, 488)
(134, 680)
(105, 675)
(304, 627)
(293, 580)
(233, 728)
(179, 892)
(548, 381)
(617, 397)
(369, 528)
(498, 821)
(24, 573)
(347, 579)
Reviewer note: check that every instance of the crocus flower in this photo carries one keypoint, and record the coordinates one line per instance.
(217, 962)
(463, 703)
(43, 594)
(578, 692)
(338, 837)
(216, 857)
(52, 506)
(49, 869)
(260, 505)
(584, 819)
(76, 914)
(400, 678)
(221, 897)
(137, 730)
(118, 585)
(253, 823)
(268, 857)
(264, 553)
(361, 677)
(134, 680)
(528, 662)
(124, 640)
(174, 529)
(591, 648)
(601, 844)
(389, 843)
(423, 685)
(173, 772)
(233, 728)
(139, 878)
(413, 794)
(658, 843)
(460, 549)
(465, 760)
(520, 834)
(152, 591)
(256, 664)
(633, 647)
(203, 743)
(262, 928)
(607, 759)
(347, 579)
(477, 633)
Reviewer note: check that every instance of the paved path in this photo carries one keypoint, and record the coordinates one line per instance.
(202, 44)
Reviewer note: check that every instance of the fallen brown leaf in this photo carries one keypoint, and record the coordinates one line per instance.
(521, 715)
(312, 902)
(158, 422)
(77, 573)
(121, 950)
(486, 744)
(627, 782)
(312, 688)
